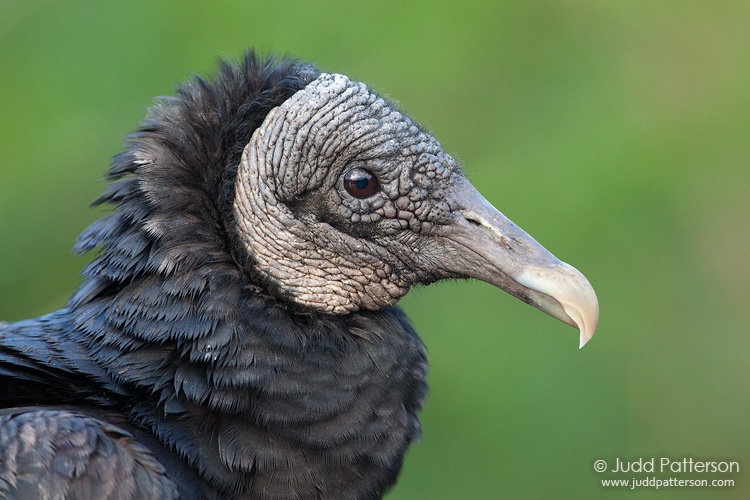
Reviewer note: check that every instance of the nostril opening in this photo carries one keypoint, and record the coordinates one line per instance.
(494, 235)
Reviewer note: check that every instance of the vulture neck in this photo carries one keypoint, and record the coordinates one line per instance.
(335, 396)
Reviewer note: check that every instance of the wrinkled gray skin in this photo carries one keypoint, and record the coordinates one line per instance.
(307, 144)
(427, 222)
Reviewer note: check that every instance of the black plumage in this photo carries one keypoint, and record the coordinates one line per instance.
(204, 358)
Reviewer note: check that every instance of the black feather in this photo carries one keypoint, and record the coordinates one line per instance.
(178, 371)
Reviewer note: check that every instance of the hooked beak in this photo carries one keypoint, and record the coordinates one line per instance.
(491, 248)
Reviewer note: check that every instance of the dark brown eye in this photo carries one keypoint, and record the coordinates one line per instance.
(361, 183)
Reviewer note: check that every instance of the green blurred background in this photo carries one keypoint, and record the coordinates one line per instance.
(616, 133)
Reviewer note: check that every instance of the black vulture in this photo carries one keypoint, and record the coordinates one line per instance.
(236, 334)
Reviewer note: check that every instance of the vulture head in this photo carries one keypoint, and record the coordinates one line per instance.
(342, 203)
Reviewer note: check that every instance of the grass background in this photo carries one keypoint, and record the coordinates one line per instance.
(616, 133)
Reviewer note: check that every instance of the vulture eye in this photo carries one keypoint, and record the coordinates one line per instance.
(361, 183)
